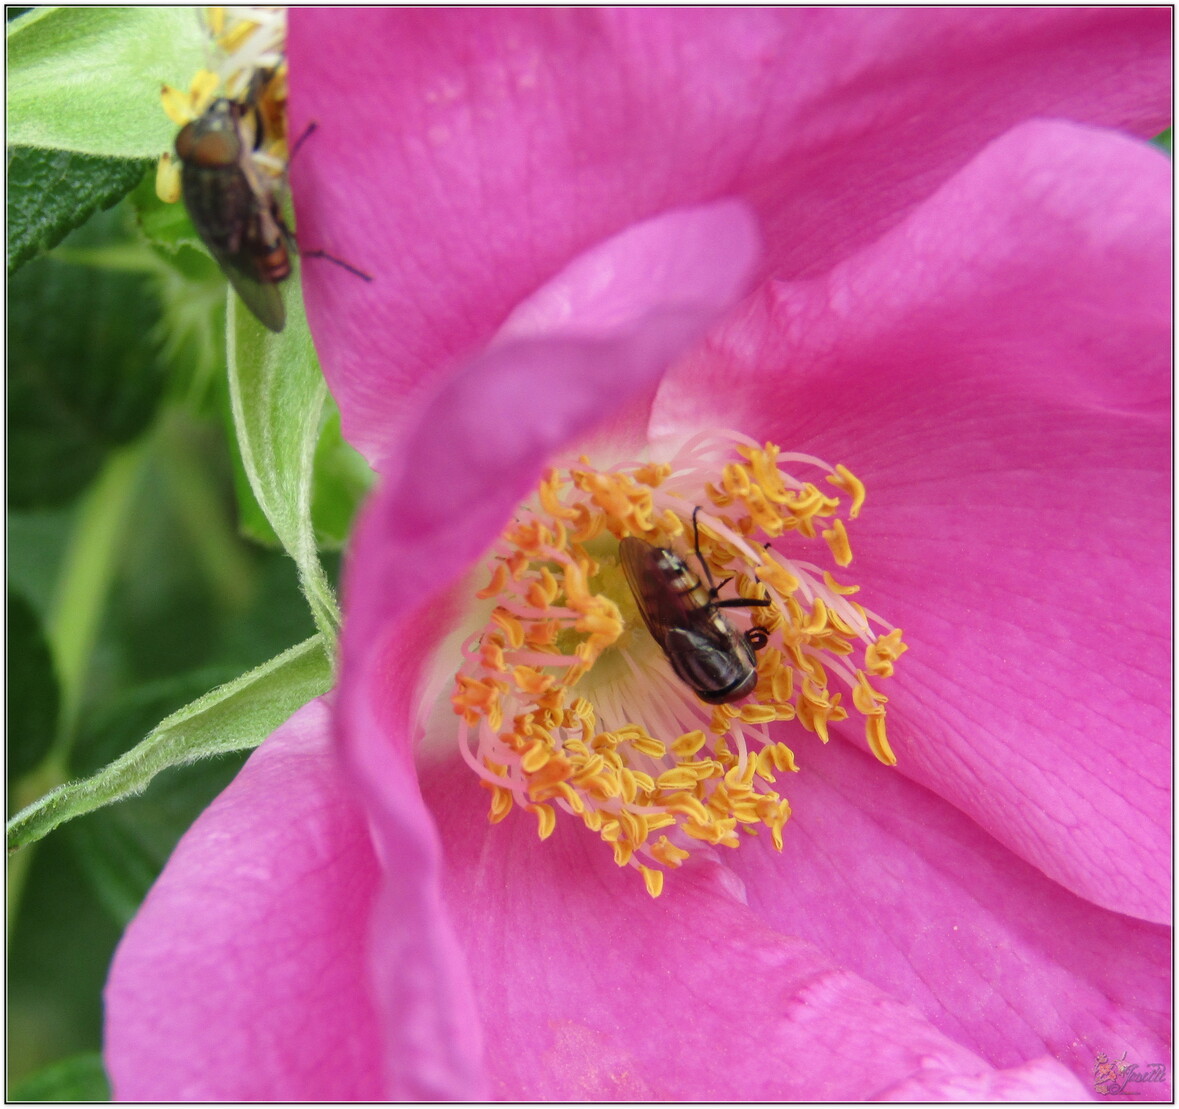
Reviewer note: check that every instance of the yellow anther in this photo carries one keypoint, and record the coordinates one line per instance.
(741, 775)
(633, 825)
(783, 757)
(576, 588)
(666, 852)
(168, 179)
(844, 479)
(184, 107)
(703, 768)
(676, 778)
(688, 744)
(758, 714)
(530, 680)
(736, 482)
(517, 563)
(623, 852)
(783, 684)
(587, 525)
(764, 464)
(835, 587)
(643, 782)
(511, 627)
(499, 579)
(836, 537)
(603, 622)
(671, 524)
(537, 596)
(628, 785)
(881, 655)
(818, 618)
(687, 805)
(546, 820)
(647, 745)
(878, 741)
(654, 474)
(550, 502)
(720, 833)
(590, 770)
(501, 802)
(775, 814)
(865, 698)
(536, 756)
(570, 796)
(777, 577)
(653, 880)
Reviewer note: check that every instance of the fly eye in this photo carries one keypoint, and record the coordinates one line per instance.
(757, 638)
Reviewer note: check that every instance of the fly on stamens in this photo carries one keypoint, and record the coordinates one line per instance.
(706, 652)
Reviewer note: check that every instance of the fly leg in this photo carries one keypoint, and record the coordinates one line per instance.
(713, 589)
(289, 235)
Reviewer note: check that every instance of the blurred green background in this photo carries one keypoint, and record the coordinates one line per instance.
(140, 575)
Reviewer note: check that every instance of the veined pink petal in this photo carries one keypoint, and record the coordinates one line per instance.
(243, 977)
(893, 883)
(997, 371)
(589, 990)
(464, 157)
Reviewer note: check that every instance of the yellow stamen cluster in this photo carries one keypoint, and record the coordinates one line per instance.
(567, 702)
(244, 42)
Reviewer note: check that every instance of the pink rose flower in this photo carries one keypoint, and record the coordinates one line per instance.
(969, 309)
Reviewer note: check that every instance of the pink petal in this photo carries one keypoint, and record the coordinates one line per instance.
(476, 451)
(464, 157)
(997, 371)
(894, 884)
(243, 976)
(589, 990)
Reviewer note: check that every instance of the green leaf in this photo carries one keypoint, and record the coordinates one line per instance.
(79, 1078)
(89, 79)
(84, 374)
(278, 396)
(233, 717)
(33, 697)
(1163, 140)
(50, 192)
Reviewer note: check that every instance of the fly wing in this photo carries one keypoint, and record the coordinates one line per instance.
(260, 297)
(661, 609)
(238, 227)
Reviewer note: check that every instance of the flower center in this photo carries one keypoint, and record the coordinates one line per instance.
(631, 608)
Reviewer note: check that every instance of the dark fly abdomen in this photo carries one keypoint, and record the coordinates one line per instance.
(720, 667)
(704, 649)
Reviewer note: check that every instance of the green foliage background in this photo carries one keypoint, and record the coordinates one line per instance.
(179, 494)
